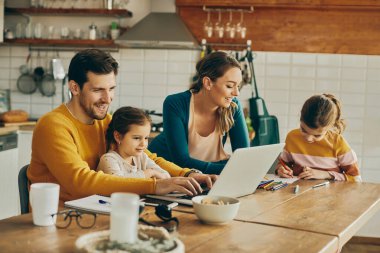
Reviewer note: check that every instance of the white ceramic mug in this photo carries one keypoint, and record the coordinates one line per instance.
(124, 217)
(44, 198)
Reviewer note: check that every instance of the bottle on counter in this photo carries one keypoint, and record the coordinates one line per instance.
(92, 32)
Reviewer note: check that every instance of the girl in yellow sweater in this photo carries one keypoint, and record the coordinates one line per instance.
(317, 150)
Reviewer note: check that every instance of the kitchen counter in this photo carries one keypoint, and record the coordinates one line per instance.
(25, 126)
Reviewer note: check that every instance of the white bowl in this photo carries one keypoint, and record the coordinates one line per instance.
(214, 213)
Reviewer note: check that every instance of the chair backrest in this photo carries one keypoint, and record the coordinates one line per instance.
(23, 189)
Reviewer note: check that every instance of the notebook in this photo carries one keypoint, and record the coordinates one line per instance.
(91, 204)
(102, 205)
(242, 174)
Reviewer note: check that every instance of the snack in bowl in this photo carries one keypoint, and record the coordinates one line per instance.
(150, 240)
(215, 209)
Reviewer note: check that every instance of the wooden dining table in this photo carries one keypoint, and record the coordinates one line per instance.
(313, 220)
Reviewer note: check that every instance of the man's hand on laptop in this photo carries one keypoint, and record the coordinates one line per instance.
(186, 185)
(204, 179)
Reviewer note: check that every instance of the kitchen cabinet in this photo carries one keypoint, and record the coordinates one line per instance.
(118, 13)
(9, 204)
(311, 26)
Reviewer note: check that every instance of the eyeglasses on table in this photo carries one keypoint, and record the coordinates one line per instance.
(65, 217)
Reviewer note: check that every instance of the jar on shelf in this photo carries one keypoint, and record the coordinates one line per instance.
(92, 32)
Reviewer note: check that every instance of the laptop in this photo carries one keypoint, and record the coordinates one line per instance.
(242, 174)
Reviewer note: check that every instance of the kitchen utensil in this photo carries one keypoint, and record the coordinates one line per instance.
(66, 94)
(24, 69)
(47, 84)
(26, 83)
(265, 125)
(57, 66)
(39, 70)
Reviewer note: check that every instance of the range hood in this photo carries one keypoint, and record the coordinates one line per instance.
(158, 30)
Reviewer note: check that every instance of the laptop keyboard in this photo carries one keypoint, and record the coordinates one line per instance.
(204, 192)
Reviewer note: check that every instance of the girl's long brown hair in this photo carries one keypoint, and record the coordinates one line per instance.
(214, 66)
(322, 111)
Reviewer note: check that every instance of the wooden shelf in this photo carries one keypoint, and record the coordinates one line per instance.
(63, 42)
(70, 12)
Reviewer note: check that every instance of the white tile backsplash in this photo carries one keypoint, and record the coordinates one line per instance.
(358, 61)
(131, 78)
(179, 55)
(37, 110)
(329, 86)
(373, 61)
(304, 59)
(329, 60)
(352, 99)
(155, 55)
(278, 58)
(19, 51)
(328, 73)
(155, 78)
(353, 86)
(131, 101)
(4, 62)
(155, 91)
(5, 51)
(132, 54)
(132, 66)
(354, 74)
(301, 71)
(278, 70)
(373, 75)
(179, 79)
(373, 100)
(303, 84)
(351, 111)
(155, 67)
(180, 68)
(278, 83)
(131, 90)
(373, 87)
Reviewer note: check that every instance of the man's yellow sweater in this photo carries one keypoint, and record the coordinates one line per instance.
(66, 151)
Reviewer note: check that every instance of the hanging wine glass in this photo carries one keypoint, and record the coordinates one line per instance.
(230, 27)
(219, 26)
(227, 26)
(240, 27)
(207, 26)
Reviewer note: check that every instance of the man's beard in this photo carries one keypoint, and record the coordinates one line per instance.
(92, 113)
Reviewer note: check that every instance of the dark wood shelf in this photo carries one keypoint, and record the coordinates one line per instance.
(63, 42)
(70, 12)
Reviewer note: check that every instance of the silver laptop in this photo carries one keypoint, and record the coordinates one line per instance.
(242, 174)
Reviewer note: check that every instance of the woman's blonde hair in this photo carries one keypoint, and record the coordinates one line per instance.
(322, 111)
(214, 66)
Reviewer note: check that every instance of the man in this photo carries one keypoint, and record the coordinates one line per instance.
(68, 141)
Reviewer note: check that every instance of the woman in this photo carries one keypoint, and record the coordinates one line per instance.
(197, 121)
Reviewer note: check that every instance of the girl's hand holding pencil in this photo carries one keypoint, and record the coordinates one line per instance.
(283, 170)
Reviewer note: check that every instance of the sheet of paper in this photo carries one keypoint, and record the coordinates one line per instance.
(278, 179)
